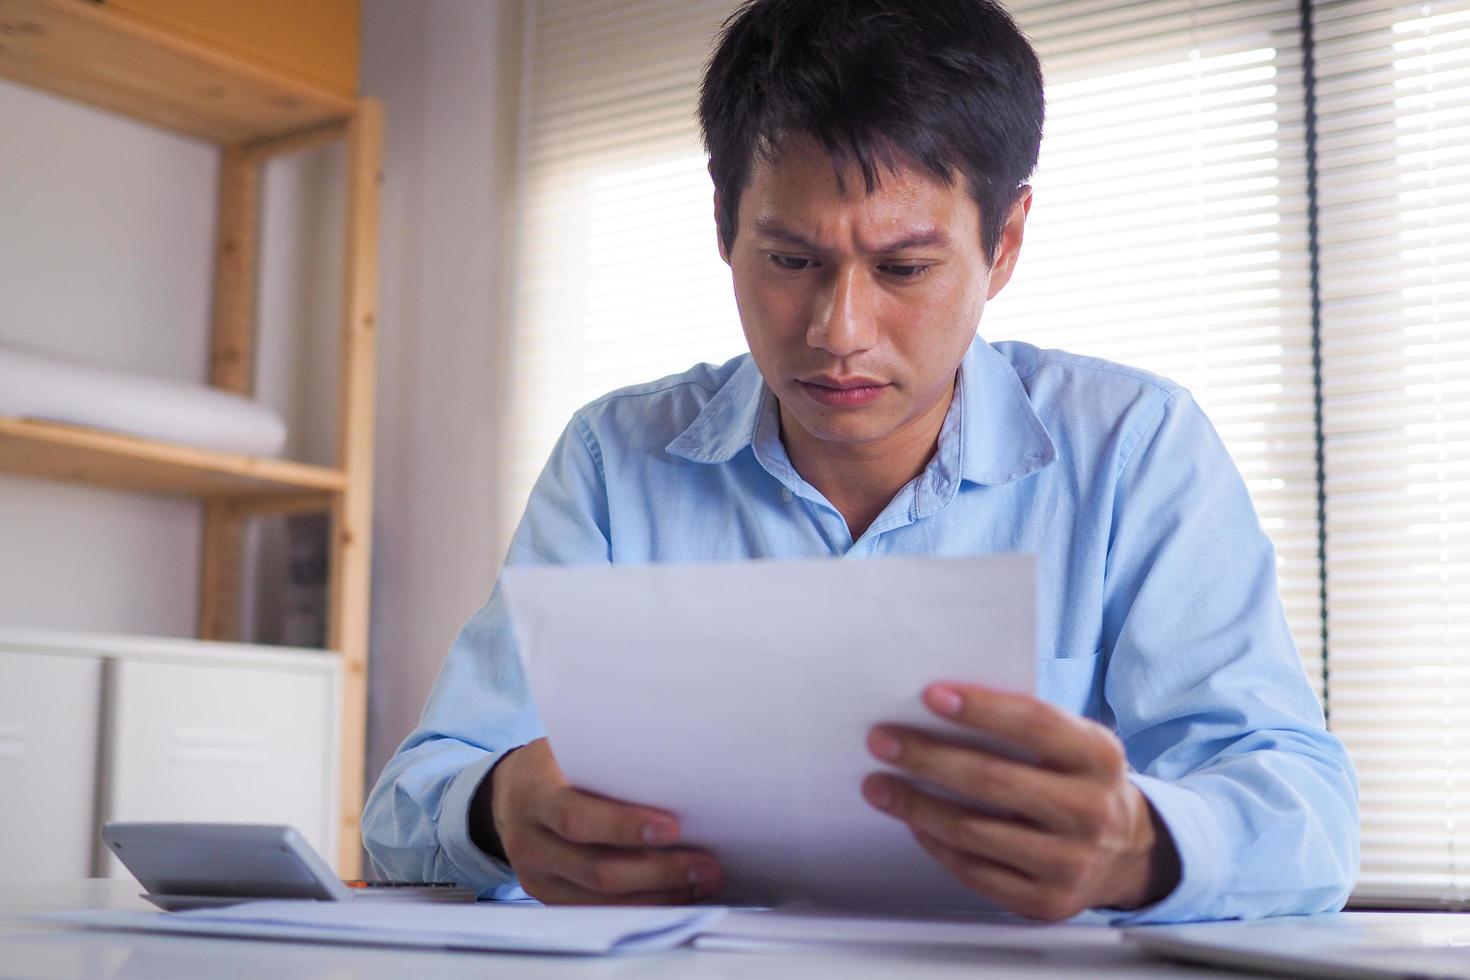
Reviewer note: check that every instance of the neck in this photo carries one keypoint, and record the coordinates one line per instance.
(859, 479)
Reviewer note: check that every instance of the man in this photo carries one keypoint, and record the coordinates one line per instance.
(869, 160)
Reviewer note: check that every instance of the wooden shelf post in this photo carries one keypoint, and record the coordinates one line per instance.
(348, 586)
(231, 367)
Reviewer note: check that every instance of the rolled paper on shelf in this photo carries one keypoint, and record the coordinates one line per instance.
(61, 389)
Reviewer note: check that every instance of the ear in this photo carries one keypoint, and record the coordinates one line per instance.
(720, 239)
(1009, 251)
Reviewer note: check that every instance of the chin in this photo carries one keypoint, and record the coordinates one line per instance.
(848, 428)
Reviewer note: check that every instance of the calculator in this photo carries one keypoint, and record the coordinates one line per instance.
(204, 865)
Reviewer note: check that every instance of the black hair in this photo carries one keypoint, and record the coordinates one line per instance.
(954, 84)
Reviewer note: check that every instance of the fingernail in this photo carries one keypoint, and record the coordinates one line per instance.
(658, 832)
(945, 700)
(878, 794)
(883, 745)
(703, 873)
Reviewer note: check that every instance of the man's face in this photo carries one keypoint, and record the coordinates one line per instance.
(859, 307)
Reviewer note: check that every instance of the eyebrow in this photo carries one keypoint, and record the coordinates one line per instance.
(926, 236)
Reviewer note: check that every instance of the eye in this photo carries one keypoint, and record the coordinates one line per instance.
(900, 270)
(792, 263)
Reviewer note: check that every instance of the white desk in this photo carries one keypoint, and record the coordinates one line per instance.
(30, 950)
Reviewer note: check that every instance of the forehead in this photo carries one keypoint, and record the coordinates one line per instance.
(803, 189)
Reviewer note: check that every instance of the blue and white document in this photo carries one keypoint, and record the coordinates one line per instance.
(484, 926)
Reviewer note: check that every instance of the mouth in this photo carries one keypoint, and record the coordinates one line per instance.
(838, 392)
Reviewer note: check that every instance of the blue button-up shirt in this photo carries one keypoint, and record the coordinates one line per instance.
(1157, 608)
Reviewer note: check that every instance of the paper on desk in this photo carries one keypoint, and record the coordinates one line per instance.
(482, 926)
(765, 929)
(738, 696)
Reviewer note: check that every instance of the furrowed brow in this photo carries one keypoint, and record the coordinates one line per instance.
(917, 238)
(773, 229)
(925, 236)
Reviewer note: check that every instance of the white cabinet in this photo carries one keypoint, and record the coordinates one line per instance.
(48, 763)
(219, 743)
(96, 728)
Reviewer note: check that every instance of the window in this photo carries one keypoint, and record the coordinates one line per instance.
(619, 281)
(1393, 105)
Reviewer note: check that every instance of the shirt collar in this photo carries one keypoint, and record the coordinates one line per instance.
(991, 436)
(1001, 437)
(726, 424)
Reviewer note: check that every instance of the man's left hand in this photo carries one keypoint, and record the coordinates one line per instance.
(1046, 839)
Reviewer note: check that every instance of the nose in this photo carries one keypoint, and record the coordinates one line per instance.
(843, 323)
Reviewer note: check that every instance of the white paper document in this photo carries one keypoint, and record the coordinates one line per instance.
(738, 696)
(480, 926)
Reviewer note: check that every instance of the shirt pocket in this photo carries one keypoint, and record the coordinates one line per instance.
(1074, 683)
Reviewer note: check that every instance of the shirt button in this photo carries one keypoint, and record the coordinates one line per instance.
(786, 495)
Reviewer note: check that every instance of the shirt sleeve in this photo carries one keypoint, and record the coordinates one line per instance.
(1222, 729)
(415, 824)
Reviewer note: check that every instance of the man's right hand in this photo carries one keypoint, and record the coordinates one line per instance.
(571, 847)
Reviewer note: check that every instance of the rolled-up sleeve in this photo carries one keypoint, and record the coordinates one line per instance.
(1221, 726)
(415, 825)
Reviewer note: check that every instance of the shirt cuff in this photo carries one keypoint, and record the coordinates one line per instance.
(1186, 815)
(488, 876)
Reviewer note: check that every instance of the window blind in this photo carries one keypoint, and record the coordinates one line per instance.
(619, 278)
(1393, 104)
(1169, 231)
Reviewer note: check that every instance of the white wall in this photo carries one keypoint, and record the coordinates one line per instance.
(106, 236)
(447, 72)
(105, 246)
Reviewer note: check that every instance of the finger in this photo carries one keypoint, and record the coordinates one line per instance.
(607, 871)
(1047, 798)
(998, 883)
(584, 818)
(1030, 852)
(1060, 739)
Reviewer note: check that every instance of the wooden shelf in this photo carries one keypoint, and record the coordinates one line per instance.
(123, 64)
(91, 456)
